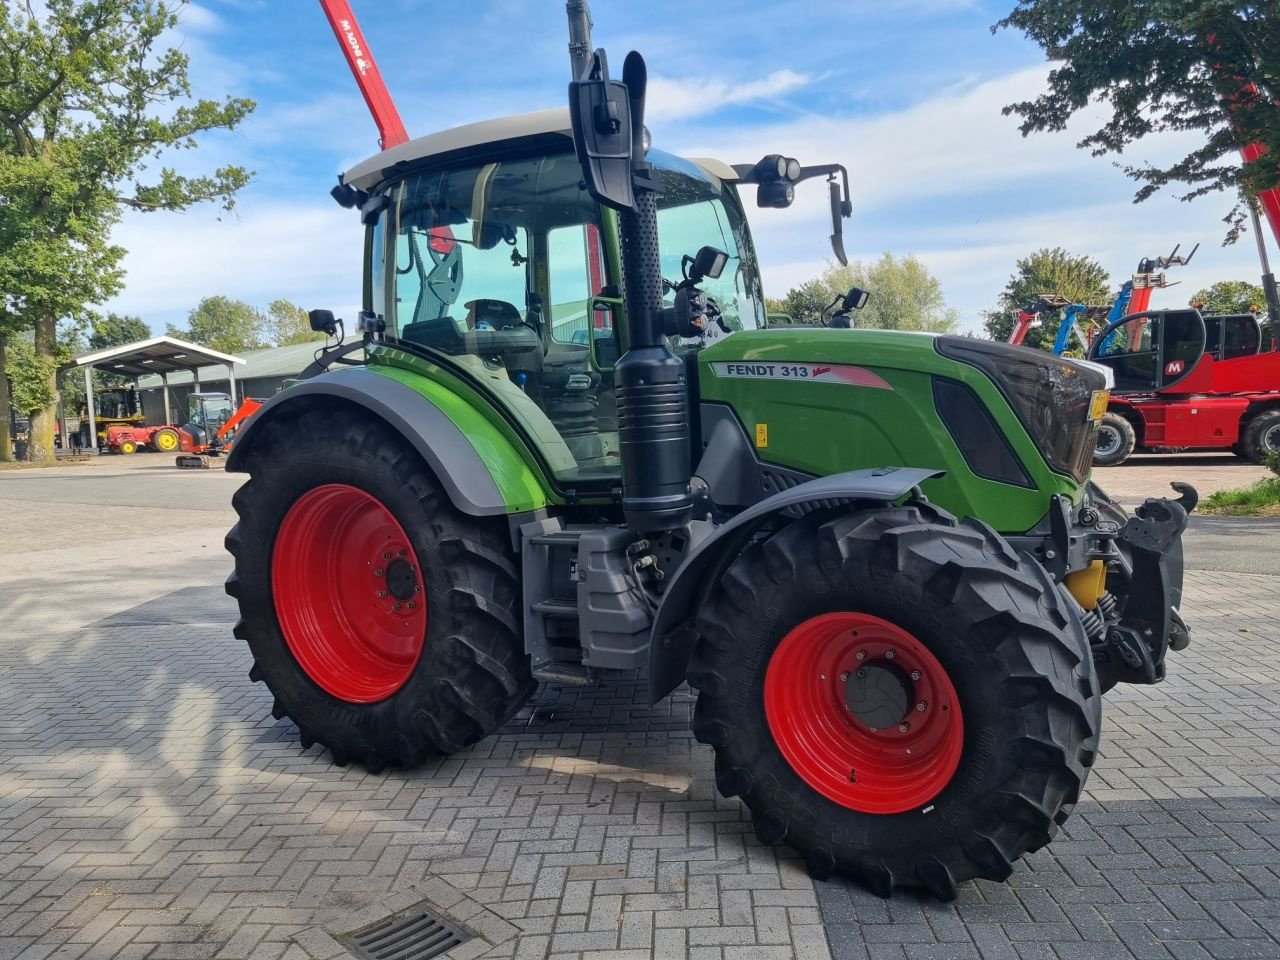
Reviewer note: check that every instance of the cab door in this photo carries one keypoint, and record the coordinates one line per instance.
(1151, 351)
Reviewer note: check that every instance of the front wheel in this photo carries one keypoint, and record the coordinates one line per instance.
(901, 698)
(385, 623)
(1262, 436)
(1116, 440)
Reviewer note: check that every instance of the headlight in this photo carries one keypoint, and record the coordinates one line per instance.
(1050, 395)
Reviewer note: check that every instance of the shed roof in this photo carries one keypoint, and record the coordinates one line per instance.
(273, 362)
(158, 355)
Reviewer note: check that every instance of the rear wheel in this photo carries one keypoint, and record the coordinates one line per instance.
(385, 623)
(900, 698)
(128, 447)
(166, 441)
(1116, 440)
(1262, 436)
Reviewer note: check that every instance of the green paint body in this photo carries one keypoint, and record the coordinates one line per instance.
(823, 428)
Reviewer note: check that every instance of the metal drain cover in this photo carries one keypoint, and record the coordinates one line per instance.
(416, 934)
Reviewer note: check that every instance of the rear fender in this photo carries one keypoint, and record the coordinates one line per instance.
(499, 482)
(673, 635)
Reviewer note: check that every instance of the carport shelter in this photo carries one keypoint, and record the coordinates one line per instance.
(159, 355)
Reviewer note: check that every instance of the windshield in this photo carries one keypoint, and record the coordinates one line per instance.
(696, 211)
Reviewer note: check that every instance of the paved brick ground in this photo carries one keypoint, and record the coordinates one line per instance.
(150, 807)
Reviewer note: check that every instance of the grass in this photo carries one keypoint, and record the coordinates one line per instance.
(1261, 499)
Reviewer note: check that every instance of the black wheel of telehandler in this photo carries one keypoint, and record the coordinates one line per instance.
(1262, 436)
(385, 623)
(1116, 441)
(901, 698)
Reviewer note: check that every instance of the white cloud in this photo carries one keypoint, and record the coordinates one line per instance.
(197, 19)
(670, 100)
(307, 252)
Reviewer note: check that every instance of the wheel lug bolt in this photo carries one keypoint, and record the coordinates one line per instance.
(922, 706)
(890, 654)
(382, 594)
(412, 605)
(395, 606)
(417, 588)
(904, 727)
(378, 572)
(874, 729)
(404, 553)
(915, 674)
(862, 655)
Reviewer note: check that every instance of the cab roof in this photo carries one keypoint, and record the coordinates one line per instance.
(541, 123)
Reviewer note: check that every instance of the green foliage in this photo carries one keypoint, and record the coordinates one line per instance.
(221, 323)
(1230, 296)
(31, 374)
(287, 324)
(1273, 463)
(904, 296)
(90, 99)
(115, 330)
(1259, 499)
(1160, 66)
(1077, 278)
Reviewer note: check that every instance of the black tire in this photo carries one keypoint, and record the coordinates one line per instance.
(1116, 441)
(1262, 436)
(472, 674)
(1012, 645)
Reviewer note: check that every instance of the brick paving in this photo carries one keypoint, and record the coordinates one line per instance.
(151, 808)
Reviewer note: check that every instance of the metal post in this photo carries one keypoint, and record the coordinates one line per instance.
(164, 377)
(579, 36)
(1268, 278)
(231, 383)
(90, 408)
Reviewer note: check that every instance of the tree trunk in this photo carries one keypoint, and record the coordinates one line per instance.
(41, 447)
(6, 441)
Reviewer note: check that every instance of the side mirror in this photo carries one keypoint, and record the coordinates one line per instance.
(709, 262)
(323, 321)
(837, 221)
(600, 111)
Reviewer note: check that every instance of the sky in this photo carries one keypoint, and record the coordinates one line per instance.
(907, 94)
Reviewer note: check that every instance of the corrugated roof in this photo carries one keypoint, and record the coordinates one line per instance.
(258, 364)
(159, 354)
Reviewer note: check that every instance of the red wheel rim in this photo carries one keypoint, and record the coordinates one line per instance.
(349, 593)
(881, 770)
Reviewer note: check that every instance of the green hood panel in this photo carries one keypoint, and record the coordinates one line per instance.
(823, 401)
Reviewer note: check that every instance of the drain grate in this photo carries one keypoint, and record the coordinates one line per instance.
(416, 935)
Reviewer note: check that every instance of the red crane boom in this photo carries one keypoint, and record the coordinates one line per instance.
(368, 77)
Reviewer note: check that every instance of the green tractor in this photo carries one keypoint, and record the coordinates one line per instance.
(576, 449)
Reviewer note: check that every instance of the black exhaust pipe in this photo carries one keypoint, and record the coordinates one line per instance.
(653, 407)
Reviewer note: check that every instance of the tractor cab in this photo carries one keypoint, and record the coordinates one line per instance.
(1153, 351)
(206, 413)
(507, 272)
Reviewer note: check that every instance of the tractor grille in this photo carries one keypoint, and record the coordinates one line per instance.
(416, 935)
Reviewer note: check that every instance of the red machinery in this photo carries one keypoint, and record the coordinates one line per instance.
(1182, 382)
(211, 426)
(131, 439)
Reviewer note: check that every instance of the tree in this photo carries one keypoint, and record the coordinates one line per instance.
(1230, 296)
(1164, 66)
(287, 324)
(1078, 279)
(904, 295)
(89, 99)
(115, 330)
(221, 323)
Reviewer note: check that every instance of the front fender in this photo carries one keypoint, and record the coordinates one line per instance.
(478, 467)
(673, 637)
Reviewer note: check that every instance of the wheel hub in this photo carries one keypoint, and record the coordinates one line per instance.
(402, 580)
(879, 695)
(864, 713)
